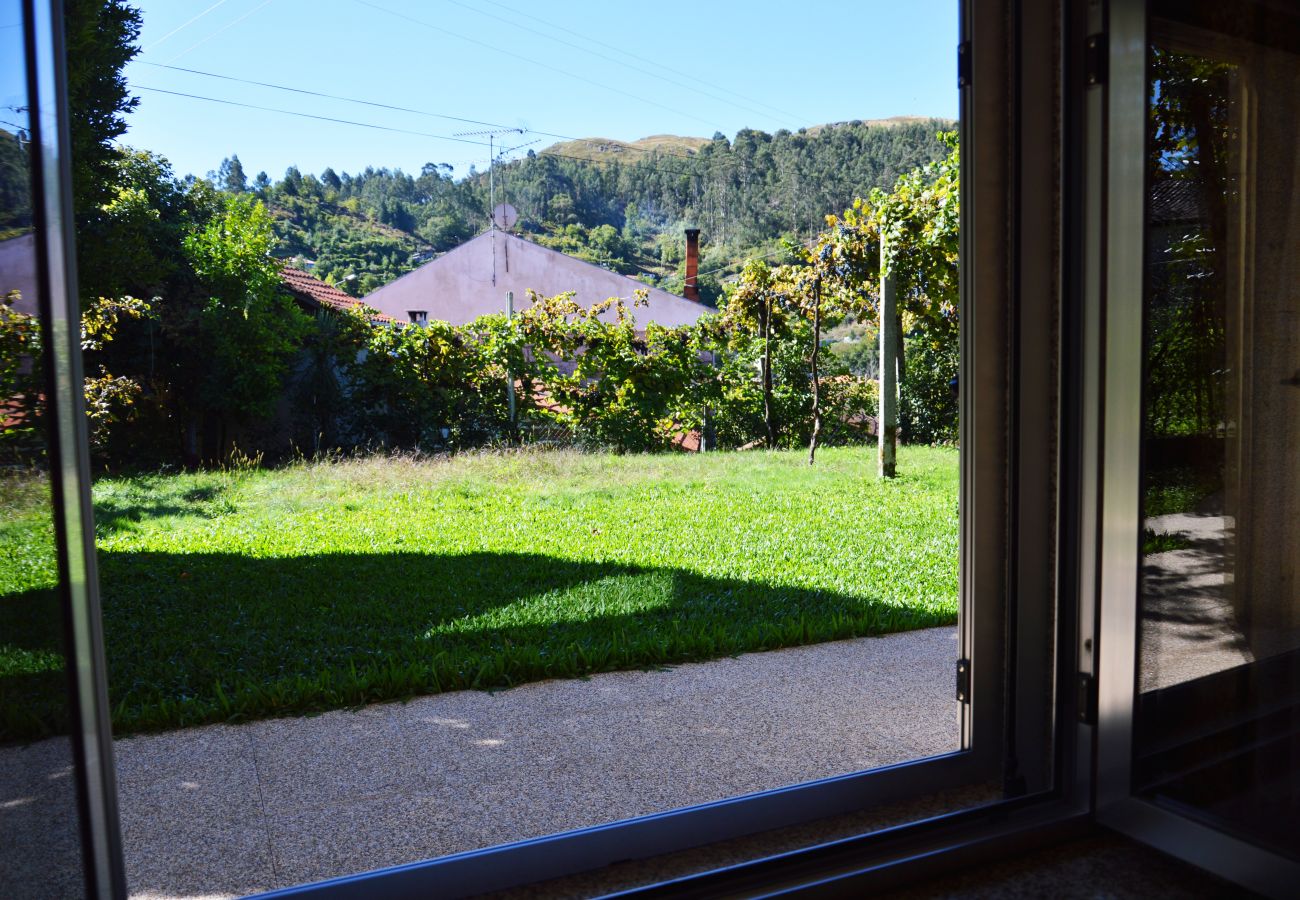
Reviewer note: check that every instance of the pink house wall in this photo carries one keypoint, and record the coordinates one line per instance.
(457, 286)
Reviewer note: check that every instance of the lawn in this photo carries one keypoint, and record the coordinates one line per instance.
(244, 594)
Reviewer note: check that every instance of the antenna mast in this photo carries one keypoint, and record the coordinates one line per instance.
(492, 182)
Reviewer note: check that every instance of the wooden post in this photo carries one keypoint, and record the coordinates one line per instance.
(510, 378)
(887, 423)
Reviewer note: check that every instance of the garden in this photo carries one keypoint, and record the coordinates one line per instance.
(247, 592)
(299, 513)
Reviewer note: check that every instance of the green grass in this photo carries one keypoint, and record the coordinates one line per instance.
(1178, 490)
(237, 595)
(32, 680)
(1163, 541)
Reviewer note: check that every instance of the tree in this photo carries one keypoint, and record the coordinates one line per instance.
(831, 283)
(243, 330)
(15, 184)
(231, 177)
(759, 302)
(100, 40)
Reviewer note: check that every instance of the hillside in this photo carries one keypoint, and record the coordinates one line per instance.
(598, 149)
(620, 204)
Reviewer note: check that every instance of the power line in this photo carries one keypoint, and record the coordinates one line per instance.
(185, 24)
(221, 30)
(389, 106)
(534, 62)
(624, 51)
(304, 91)
(302, 115)
(606, 57)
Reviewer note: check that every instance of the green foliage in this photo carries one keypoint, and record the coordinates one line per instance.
(15, 187)
(610, 385)
(236, 595)
(927, 409)
(627, 214)
(231, 177)
(1163, 541)
(215, 353)
(1190, 143)
(246, 329)
(20, 383)
(109, 399)
(100, 39)
(424, 387)
(1178, 489)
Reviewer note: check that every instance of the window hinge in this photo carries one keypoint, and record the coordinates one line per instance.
(963, 680)
(1086, 699)
(1094, 59)
(963, 64)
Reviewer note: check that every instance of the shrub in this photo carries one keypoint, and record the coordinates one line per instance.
(927, 408)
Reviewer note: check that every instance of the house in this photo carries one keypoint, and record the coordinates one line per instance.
(313, 294)
(473, 279)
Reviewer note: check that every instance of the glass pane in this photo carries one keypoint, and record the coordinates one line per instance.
(40, 851)
(468, 567)
(1220, 625)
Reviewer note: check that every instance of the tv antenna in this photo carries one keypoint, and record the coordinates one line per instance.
(493, 156)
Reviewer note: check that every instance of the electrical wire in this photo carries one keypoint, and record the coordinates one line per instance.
(388, 106)
(322, 94)
(221, 30)
(535, 62)
(443, 137)
(302, 115)
(613, 59)
(404, 109)
(624, 51)
(185, 24)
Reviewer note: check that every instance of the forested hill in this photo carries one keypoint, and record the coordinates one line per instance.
(623, 205)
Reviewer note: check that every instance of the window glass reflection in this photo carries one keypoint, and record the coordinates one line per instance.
(1218, 726)
(40, 852)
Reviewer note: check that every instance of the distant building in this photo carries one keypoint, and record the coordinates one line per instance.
(459, 286)
(312, 294)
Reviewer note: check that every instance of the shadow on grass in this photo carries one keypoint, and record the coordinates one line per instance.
(120, 513)
(220, 637)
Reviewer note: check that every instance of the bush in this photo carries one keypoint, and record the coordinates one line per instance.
(927, 410)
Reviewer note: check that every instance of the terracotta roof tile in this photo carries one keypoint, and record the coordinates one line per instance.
(317, 293)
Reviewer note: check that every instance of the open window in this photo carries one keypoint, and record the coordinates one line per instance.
(1199, 608)
(1091, 265)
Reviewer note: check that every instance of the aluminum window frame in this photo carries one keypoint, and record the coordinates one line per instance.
(1007, 269)
(1115, 301)
(69, 453)
(1015, 577)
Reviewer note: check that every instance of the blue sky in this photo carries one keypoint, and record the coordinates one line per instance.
(571, 67)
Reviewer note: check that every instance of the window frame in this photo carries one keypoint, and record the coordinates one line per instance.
(1017, 428)
(69, 454)
(1115, 300)
(1003, 336)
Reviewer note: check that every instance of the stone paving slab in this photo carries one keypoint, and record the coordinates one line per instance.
(223, 810)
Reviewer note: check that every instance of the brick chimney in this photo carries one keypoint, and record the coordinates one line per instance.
(692, 289)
